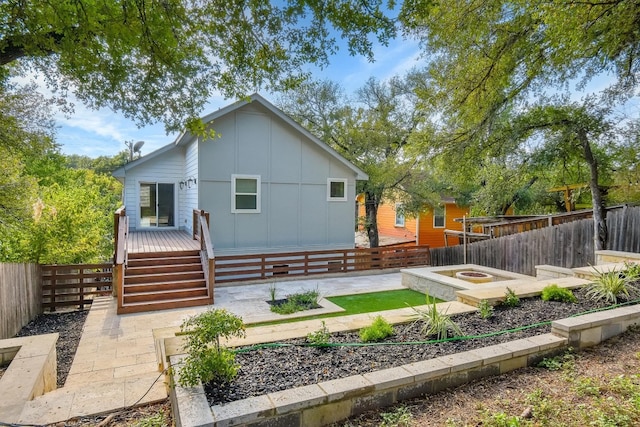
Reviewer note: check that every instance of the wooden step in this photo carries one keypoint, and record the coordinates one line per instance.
(163, 286)
(162, 269)
(170, 294)
(164, 305)
(163, 277)
(139, 255)
(140, 262)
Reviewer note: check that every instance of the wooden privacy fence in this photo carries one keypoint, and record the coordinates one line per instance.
(565, 245)
(20, 297)
(74, 284)
(233, 268)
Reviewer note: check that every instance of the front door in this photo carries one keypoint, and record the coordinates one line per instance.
(157, 204)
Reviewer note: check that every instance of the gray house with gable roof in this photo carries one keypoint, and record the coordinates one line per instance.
(268, 183)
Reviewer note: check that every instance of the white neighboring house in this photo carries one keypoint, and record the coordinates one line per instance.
(268, 183)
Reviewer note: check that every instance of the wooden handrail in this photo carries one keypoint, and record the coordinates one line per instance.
(201, 232)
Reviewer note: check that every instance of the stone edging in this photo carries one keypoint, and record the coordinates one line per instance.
(31, 373)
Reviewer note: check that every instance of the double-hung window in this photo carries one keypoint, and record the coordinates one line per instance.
(399, 215)
(438, 217)
(336, 190)
(245, 193)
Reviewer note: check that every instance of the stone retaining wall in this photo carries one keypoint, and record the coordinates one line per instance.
(332, 401)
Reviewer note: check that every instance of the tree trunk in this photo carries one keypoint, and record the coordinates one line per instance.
(516, 196)
(599, 224)
(371, 203)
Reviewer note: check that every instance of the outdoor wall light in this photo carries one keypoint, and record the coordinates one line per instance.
(182, 184)
(191, 181)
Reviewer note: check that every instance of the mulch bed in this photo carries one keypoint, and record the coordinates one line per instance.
(69, 325)
(272, 369)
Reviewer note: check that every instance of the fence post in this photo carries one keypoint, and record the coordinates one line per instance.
(53, 288)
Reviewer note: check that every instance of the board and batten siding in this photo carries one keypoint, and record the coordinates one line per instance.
(166, 168)
(295, 213)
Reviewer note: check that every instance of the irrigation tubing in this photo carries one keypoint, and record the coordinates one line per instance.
(458, 338)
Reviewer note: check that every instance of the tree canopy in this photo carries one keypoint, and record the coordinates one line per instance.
(162, 60)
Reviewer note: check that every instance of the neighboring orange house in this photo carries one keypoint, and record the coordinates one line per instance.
(427, 229)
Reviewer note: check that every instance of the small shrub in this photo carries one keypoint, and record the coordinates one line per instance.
(399, 417)
(297, 302)
(564, 361)
(609, 286)
(377, 331)
(631, 271)
(436, 323)
(485, 310)
(319, 337)
(206, 359)
(510, 298)
(556, 293)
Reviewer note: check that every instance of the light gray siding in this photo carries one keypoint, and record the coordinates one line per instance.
(190, 194)
(295, 213)
(166, 168)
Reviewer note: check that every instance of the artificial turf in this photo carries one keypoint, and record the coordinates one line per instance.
(366, 303)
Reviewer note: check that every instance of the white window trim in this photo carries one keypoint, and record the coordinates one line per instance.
(444, 217)
(233, 193)
(399, 223)
(336, 199)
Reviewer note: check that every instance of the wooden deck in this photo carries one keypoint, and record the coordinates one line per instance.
(160, 241)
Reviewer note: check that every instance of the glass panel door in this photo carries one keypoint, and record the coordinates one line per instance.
(157, 205)
(165, 205)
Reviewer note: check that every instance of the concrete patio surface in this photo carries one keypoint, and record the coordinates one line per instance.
(115, 364)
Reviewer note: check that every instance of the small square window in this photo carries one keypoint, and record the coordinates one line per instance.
(438, 217)
(336, 189)
(245, 193)
(399, 215)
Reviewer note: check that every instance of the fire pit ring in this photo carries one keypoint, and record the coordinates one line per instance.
(474, 276)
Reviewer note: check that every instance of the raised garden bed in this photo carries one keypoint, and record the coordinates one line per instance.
(272, 369)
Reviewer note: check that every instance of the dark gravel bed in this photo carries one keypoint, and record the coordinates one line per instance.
(69, 326)
(273, 369)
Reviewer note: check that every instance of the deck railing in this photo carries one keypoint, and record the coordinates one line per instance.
(233, 268)
(201, 233)
(121, 229)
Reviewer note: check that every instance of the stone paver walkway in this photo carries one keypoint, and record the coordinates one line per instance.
(115, 363)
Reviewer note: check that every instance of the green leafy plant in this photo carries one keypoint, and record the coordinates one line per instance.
(631, 271)
(319, 337)
(500, 419)
(510, 298)
(556, 293)
(399, 417)
(377, 331)
(436, 323)
(157, 420)
(207, 360)
(297, 302)
(485, 310)
(608, 286)
(565, 361)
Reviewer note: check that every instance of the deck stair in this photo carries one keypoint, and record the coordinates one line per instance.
(163, 280)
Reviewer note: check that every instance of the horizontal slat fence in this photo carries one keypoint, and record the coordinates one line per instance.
(74, 284)
(565, 245)
(20, 297)
(233, 268)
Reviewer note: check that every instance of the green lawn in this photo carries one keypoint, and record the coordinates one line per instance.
(378, 301)
(365, 303)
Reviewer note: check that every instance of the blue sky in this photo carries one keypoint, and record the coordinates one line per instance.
(103, 132)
